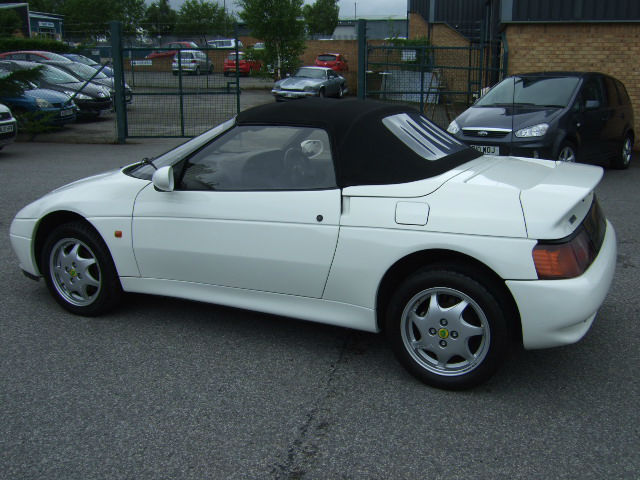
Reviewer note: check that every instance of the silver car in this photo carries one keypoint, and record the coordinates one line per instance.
(310, 82)
(192, 61)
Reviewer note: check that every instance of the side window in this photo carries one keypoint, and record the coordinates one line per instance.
(592, 92)
(612, 94)
(262, 158)
(17, 56)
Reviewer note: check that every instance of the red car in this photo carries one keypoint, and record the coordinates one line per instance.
(334, 61)
(246, 66)
(171, 53)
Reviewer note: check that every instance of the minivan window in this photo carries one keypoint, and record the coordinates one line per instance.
(533, 91)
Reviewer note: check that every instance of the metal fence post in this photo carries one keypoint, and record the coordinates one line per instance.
(362, 59)
(235, 35)
(118, 81)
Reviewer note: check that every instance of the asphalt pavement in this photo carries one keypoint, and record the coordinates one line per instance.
(165, 388)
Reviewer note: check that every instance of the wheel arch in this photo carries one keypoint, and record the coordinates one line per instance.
(453, 260)
(48, 223)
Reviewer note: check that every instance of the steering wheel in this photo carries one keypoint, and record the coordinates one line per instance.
(296, 166)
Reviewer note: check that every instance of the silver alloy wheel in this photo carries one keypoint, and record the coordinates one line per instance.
(445, 331)
(627, 150)
(567, 154)
(75, 272)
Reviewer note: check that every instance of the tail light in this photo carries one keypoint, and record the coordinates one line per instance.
(569, 258)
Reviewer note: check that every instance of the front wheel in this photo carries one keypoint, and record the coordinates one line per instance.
(567, 153)
(79, 271)
(447, 329)
(623, 160)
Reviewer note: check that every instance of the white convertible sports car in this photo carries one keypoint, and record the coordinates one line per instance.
(352, 213)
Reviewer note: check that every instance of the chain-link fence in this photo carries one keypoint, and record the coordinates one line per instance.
(179, 89)
(440, 81)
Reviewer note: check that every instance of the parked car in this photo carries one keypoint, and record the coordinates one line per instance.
(33, 56)
(91, 99)
(226, 43)
(170, 49)
(310, 82)
(56, 107)
(259, 46)
(246, 66)
(193, 61)
(355, 213)
(8, 126)
(84, 72)
(568, 116)
(334, 61)
(74, 57)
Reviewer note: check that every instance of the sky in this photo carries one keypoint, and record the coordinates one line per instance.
(363, 8)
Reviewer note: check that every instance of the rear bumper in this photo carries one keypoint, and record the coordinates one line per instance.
(560, 312)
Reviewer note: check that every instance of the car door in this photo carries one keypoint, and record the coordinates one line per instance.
(250, 210)
(593, 120)
(334, 83)
(616, 119)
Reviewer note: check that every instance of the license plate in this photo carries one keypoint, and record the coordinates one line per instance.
(6, 128)
(67, 112)
(488, 149)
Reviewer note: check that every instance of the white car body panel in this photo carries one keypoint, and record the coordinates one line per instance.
(267, 241)
(303, 308)
(557, 321)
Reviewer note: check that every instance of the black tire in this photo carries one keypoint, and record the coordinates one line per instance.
(438, 339)
(623, 159)
(321, 93)
(197, 72)
(226, 74)
(210, 70)
(567, 152)
(79, 271)
(341, 91)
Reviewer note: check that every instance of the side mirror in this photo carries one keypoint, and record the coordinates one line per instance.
(592, 104)
(163, 179)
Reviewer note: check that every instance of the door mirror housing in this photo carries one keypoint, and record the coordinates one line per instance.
(163, 179)
(592, 104)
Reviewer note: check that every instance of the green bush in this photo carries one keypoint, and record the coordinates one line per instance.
(9, 44)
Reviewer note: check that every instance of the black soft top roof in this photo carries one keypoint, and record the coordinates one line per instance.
(365, 151)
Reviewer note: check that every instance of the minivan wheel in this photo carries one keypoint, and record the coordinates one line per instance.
(567, 152)
(623, 159)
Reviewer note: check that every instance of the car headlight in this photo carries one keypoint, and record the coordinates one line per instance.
(42, 103)
(453, 128)
(533, 131)
(310, 88)
(78, 96)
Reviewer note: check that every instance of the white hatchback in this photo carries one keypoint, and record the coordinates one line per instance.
(353, 213)
(191, 61)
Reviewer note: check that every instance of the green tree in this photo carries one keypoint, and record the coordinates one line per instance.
(93, 16)
(279, 24)
(10, 21)
(321, 17)
(198, 17)
(130, 13)
(47, 6)
(160, 18)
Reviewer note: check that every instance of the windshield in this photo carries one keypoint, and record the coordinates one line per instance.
(84, 71)
(327, 58)
(83, 59)
(310, 73)
(535, 91)
(57, 76)
(232, 56)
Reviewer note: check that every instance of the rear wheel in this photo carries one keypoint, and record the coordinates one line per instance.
(623, 160)
(567, 152)
(341, 91)
(79, 271)
(447, 328)
(197, 72)
(321, 93)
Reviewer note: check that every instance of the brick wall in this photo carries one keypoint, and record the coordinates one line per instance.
(612, 48)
